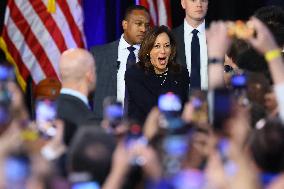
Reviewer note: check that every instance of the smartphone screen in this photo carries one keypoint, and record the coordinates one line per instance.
(86, 185)
(174, 147)
(170, 106)
(5, 101)
(6, 73)
(169, 103)
(17, 171)
(222, 105)
(45, 116)
(239, 81)
(113, 111)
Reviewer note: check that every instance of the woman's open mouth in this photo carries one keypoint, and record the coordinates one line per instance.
(162, 60)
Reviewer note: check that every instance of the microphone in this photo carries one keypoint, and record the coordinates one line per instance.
(117, 65)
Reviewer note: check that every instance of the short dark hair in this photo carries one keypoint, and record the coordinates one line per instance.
(266, 145)
(148, 44)
(273, 17)
(270, 14)
(132, 8)
(237, 48)
(91, 152)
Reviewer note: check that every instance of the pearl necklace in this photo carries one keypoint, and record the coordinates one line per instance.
(163, 75)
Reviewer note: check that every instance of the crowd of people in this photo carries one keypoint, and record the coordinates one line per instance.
(193, 107)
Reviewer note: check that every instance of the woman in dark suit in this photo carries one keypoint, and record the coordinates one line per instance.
(156, 73)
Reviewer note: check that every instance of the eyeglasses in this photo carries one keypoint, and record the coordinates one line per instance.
(228, 69)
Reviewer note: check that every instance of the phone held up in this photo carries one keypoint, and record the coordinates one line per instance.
(45, 117)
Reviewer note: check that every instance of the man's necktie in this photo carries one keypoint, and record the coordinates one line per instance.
(131, 59)
(195, 82)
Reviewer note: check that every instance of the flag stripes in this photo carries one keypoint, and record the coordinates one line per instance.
(159, 11)
(33, 38)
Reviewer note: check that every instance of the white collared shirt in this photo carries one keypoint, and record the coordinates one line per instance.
(203, 51)
(123, 53)
(279, 91)
(76, 94)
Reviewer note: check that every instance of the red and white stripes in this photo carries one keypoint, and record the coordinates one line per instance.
(159, 11)
(33, 39)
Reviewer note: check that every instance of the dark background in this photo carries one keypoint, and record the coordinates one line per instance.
(114, 9)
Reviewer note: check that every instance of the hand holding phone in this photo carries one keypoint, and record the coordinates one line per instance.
(45, 117)
(113, 112)
(170, 106)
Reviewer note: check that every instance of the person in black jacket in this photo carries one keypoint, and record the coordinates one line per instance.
(156, 73)
(111, 59)
(78, 77)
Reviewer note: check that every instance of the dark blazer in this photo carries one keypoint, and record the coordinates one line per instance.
(179, 37)
(74, 112)
(145, 88)
(106, 69)
(178, 33)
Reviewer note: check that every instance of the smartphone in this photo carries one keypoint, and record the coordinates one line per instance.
(6, 73)
(170, 106)
(174, 147)
(113, 111)
(86, 185)
(114, 114)
(17, 170)
(45, 117)
(199, 102)
(221, 108)
(4, 115)
(133, 135)
(5, 101)
(239, 81)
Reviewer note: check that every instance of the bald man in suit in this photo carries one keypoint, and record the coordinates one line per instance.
(78, 76)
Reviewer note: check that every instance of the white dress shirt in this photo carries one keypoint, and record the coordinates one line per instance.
(203, 51)
(123, 53)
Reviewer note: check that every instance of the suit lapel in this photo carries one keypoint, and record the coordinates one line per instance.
(181, 59)
(112, 67)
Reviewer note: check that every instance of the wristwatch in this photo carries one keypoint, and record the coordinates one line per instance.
(216, 61)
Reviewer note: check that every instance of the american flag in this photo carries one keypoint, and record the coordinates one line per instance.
(35, 34)
(159, 11)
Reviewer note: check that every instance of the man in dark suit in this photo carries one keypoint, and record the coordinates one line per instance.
(77, 71)
(195, 11)
(111, 58)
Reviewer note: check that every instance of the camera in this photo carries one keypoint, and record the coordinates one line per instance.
(6, 74)
(198, 100)
(86, 185)
(17, 169)
(82, 180)
(174, 144)
(133, 135)
(170, 106)
(5, 101)
(45, 116)
(239, 84)
(175, 148)
(113, 111)
(239, 81)
(220, 107)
